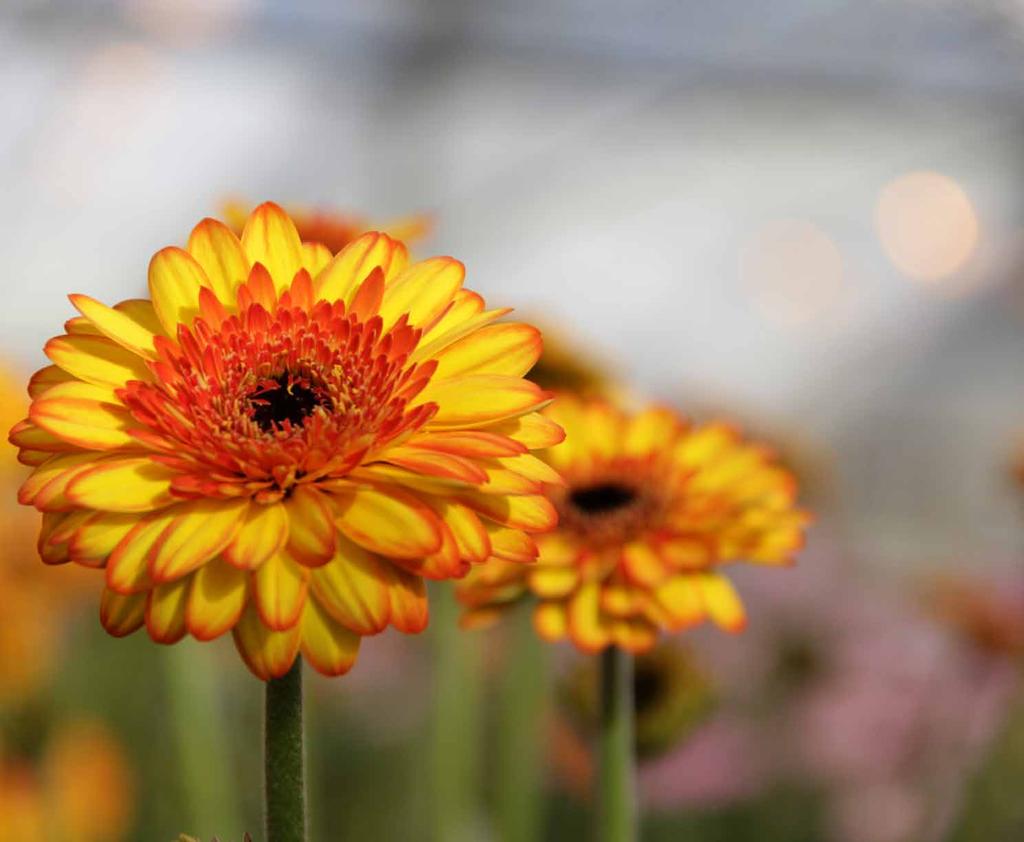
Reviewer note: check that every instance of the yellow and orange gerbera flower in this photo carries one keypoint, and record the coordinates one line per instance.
(283, 443)
(650, 510)
(333, 228)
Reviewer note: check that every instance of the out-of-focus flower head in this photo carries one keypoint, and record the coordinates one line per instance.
(651, 509)
(672, 693)
(30, 634)
(79, 789)
(283, 443)
(690, 752)
(988, 613)
(333, 228)
(566, 367)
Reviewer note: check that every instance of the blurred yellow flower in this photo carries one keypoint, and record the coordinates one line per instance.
(79, 791)
(332, 228)
(564, 367)
(651, 510)
(283, 443)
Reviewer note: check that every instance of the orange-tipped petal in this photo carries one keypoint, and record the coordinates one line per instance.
(262, 532)
(312, 536)
(80, 414)
(330, 648)
(121, 615)
(216, 600)
(340, 278)
(481, 399)
(128, 567)
(199, 531)
(135, 484)
(165, 611)
(408, 595)
(96, 360)
(175, 279)
(389, 522)
(117, 326)
(723, 603)
(353, 589)
(279, 591)
(533, 513)
(270, 238)
(218, 251)
(506, 348)
(423, 291)
(269, 654)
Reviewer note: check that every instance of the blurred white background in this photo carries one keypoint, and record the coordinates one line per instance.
(806, 213)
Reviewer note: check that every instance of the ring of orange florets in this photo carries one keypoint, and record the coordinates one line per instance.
(268, 398)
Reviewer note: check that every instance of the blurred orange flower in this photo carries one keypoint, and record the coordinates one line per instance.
(283, 443)
(985, 613)
(30, 633)
(80, 790)
(651, 510)
(564, 367)
(332, 228)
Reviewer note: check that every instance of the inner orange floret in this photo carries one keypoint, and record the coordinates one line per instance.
(282, 392)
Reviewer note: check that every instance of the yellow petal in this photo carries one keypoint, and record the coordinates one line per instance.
(340, 278)
(135, 484)
(330, 648)
(535, 431)
(262, 532)
(174, 283)
(269, 654)
(81, 414)
(532, 513)
(550, 582)
(423, 291)
(270, 238)
(199, 530)
(279, 590)
(551, 620)
(392, 523)
(116, 325)
(120, 614)
(642, 564)
(312, 534)
(510, 544)
(650, 431)
(97, 360)
(678, 603)
(507, 348)
(722, 601)
(471, 538)
(587, 627)
(216, 600)
(165, 611)
(218, 251)
(479, 399)
(315, 256)
(353, 589)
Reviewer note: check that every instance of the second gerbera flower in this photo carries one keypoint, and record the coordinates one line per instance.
(283, 442)
(651, 510)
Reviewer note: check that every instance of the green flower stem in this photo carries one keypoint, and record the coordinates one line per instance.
(522, 709)
(456, 725)
(616, 795)
(210, 799)
(284, 758)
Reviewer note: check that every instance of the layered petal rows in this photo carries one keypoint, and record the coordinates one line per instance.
(282, 442)
(650, 510)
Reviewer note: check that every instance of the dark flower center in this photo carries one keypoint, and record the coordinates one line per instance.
(599, 499)
(285, 398)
